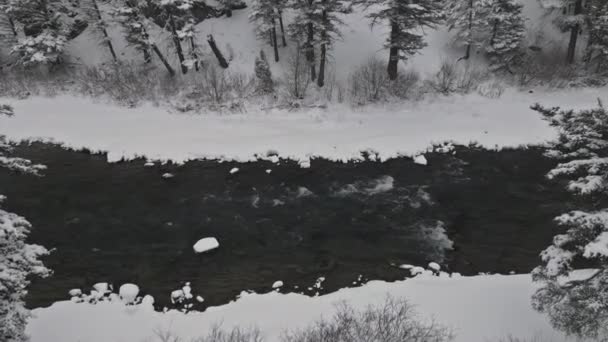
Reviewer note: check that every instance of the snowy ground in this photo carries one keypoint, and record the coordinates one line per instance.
(479, 309)
(338, 132)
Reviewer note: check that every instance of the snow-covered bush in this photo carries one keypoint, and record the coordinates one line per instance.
(577, 301)
(394, 320)
(264, 83)
(18, 260)
(45, 48)
(297, 78)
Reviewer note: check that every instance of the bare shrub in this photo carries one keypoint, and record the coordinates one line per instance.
(297, 77)
(393, 321)
(470, 77)
(126, 83)
(21, 82)
(216, 334)
(405, 85)
(491, 89)
(368, 82)
(511, 338)
(445, 80)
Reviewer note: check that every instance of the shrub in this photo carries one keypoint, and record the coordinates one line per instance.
(368, 83)
(393, 321)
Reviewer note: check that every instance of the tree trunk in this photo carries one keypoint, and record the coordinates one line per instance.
(323, 56)
(282, 29)
(147, 56)
(105, 32)
(12, 23)
(274, 41)
(217, 52)
(194, 54)
(163, 59)
(467, 54)
(310, 49)
(178, 44)
(578, 9)
(393, 60)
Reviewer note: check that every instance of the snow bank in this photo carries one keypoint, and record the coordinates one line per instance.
(205, 245)
(338, 133)
(479, 308)
(128, 293)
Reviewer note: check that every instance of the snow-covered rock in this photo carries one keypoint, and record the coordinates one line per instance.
(234, 170)
(269, 171)
(128, 292)
(205, 245)
(167, 175)
(420, 160)
(277, 284)
(75, 292)
(101, 288)
(200, 299)
(434, 266)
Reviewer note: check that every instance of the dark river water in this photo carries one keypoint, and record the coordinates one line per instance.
(472, 210)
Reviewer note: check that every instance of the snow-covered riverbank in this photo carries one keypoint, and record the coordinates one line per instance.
(479, 309)
(338, 132)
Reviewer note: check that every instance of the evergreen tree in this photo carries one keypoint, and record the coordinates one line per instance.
(94, 14)
(469, 19)
(328, 28)
(507, 32)
(264, 84)
(265, 15)
(18, 260)
(302, 29)
(577, 303)
(135, 28)
(597, 49)
(406, 18)
(44, 30)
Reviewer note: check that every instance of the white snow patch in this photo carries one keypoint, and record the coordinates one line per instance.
(75, 292)
(200, 299)
(167, 175)
(277, 284)
(234, 170)
(205, 245)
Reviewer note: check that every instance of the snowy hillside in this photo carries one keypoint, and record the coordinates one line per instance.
(237, 39)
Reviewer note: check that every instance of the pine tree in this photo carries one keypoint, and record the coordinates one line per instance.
(264, 84)
(94, 14)
(44, 29)
(302, 29)
(469, 19)
(507, 32)
(406, 18)
(18, 260)
(577, 303)
(264, 14)
(135, 25)
(597, 49)
(328, 28)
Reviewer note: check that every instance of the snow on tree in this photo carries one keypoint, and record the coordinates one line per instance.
(44, 29)
(570, 20)
(263, 76)
(264, 14)
(328, 28)
(18, 260)
(575, 301)
(188, 33)
(135, 28)
(406, 20)
(507, 32)
(176, 14)
(468, 19)
(597, 49)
